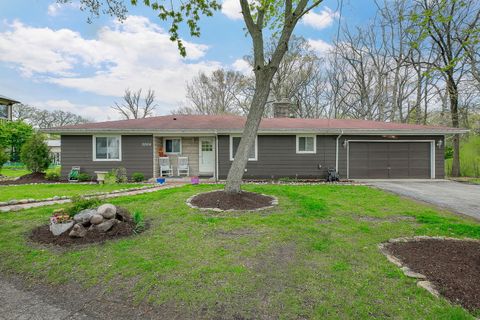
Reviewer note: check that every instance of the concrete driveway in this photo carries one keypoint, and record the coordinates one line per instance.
(454, 196)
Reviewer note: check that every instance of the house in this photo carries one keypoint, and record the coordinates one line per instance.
(284, 147)
(6, 107)
(54, 145)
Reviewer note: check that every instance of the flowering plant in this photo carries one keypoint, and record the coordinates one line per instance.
(59, 216)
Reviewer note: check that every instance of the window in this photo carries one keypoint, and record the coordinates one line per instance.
(173, 145)
(107, 148)
(207, 145)
(235, 141)
(306, 144)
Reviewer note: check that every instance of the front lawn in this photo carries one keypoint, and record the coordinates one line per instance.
(315, 256)
(43, 191)
(14, 172)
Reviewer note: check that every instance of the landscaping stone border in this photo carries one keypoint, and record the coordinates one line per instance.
(273, 204)
(422, 282)
(102, 195)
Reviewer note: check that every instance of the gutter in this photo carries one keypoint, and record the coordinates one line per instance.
(336, 152)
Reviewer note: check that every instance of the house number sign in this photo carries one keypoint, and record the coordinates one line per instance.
(146, 144)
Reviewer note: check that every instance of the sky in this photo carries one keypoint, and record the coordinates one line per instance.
(52, 58)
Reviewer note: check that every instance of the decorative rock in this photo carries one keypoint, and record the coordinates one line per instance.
(84, 216)
(123, 216)
(3, 203)
(107, 210)
(12, 202)
(427, 285)
(56, 198)
(78, 231)
(96, 219)
(59, 228)
(412, 274)
(106, 225)
(23, 201)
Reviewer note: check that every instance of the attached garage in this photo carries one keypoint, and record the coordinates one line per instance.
(391, 159)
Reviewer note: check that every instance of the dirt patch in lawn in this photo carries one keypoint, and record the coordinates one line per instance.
(453, 266)
(225, 201)
(387, 219)
(43, 234)
(37, 177)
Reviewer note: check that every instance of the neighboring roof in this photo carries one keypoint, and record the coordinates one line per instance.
(54, 143)
(7, 100)
(232, 124)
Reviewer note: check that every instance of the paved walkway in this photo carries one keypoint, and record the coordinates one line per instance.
(18, 207)
(454, 196)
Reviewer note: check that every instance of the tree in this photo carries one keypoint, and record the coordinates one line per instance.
(451, 27)
(36, 154)
(13, 134)
(279, 18)
(221, 92)
(131, 107)
(45, 119)
(3, 158)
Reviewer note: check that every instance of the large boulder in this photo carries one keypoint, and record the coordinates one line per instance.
(123, 215)
(106, 225)
(78, 231)
(107, 210)
(96, 219)
(84, 216)
(59, 228)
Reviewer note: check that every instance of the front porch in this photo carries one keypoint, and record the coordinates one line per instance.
(200, 152)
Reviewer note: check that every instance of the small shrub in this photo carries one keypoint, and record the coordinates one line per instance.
(35, 154)
(139, 222)
(121, 175)
(3, 158)
(111, 177)
(79, 203)
(53, 174)
(138, 177)
(83, 176)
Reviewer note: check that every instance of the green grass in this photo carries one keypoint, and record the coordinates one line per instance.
(14, 172)
(50, 190)
(312, 257)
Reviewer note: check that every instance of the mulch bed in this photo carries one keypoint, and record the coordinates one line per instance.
(452, 266)
(28, 178)
(43, 235)
(225, 201)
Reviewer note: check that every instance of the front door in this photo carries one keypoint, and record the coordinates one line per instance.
(207, 156)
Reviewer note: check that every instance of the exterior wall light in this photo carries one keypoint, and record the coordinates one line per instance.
(439, 143)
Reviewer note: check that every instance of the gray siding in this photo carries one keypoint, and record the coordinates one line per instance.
(277, 156)
(137, 155)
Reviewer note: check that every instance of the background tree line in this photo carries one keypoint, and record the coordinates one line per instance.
(42, 119)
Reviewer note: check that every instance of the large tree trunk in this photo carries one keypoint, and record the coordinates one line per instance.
(453, 97)
(262, 90)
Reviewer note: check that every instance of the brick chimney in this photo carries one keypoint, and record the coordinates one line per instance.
(283, 109)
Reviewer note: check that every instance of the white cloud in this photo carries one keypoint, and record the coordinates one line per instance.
(232, 9)
(54, 9)
(135, 54)
(321, 20)
(242, 66)
(320, 46)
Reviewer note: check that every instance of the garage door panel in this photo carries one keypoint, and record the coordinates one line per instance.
(383, 160)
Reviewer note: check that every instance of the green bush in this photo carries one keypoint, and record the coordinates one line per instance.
(53, 174)
(3, 158)
(111, 177)
(138, 177)
(83, 176)
(79, 203)
(139, 222)
(35, 154)
(469, 158)
(121, 175)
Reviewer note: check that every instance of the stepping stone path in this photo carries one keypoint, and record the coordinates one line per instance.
(23, 206)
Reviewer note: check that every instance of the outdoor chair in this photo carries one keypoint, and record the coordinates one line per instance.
(165, 167)
(183, 167)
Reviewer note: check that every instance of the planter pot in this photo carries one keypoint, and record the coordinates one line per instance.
(59, 228)
(101, 176)
(161, 180)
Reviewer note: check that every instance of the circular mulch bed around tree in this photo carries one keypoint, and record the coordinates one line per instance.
(43, 234)
(28, 178)
(453, 266)
(221, 201)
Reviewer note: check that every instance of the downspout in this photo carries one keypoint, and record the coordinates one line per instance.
(216, 155)
(336, 153)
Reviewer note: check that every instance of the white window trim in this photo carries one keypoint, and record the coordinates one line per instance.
(306, 136)
(94, 147)
(172, 138)
(239, 136)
